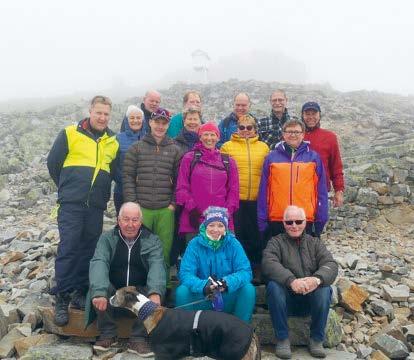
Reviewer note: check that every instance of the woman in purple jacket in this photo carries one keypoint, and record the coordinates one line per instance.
(206, 178)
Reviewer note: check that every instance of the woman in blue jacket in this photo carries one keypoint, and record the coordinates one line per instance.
(216, 253)
(133, 132)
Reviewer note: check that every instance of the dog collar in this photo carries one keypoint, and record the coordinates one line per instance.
(146, 310)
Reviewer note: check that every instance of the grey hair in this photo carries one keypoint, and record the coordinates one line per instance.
(131, 205)
(294, 208)
(134, 108)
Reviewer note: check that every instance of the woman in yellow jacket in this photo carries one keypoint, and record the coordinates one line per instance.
(249, 153)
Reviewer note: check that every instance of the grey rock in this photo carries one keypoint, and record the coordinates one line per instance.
(397, 293)
(298, 329)
(367, 196)
(382, 308)
(5, 195)
(59, 351)
(363, 351)
(351, 260)
(393, 348)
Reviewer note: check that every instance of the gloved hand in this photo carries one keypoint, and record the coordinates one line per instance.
(223, 287)
(208, 288)
(194, 217)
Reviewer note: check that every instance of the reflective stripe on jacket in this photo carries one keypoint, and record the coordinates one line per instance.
(81, 166)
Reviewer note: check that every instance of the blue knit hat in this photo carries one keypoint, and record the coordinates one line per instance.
(215, 213)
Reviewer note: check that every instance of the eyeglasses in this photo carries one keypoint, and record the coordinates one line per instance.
(296, 133)
(278, 100)
(297, 222)
(248, 127)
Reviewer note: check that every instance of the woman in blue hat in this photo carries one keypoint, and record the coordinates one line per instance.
(215, 267)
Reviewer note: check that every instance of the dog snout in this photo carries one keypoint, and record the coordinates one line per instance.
(113, 301)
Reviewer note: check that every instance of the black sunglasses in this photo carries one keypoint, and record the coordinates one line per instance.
(297, 222)
(248, 127)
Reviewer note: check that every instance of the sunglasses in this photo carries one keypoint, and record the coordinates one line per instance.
(297, 222)
(248, 127)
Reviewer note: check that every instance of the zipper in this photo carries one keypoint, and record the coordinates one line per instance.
(129, 252)
(249, 162)
(291, 181)
(297, 174)
(301, 258)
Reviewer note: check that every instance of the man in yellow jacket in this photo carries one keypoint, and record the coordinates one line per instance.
(81, 164)
(249, 153)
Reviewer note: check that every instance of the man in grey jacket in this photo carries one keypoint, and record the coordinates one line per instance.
(128, 255)
(300, 270)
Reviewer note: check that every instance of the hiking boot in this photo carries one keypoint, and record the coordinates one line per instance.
(61, 309)
(78, 300)
(141, 346)
(316, 349)
(282, 350)
(106, 342)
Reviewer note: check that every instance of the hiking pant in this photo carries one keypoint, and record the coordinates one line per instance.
(247, 231)
(161, 223)
(283, 303)
(79, 228)
(240, 303)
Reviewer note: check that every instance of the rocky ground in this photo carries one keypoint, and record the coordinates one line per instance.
(371, 236)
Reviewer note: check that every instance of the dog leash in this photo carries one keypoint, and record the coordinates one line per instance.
(193, 303)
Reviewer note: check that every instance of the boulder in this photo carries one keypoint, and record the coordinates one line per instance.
(24, 344)
(351, 296)
(393, 348)
(397, 293)
(298, 329)
(59, 351)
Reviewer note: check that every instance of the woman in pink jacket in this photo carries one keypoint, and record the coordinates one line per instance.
(206, 178)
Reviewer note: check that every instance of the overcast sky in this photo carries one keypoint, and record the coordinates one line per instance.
(52, 48)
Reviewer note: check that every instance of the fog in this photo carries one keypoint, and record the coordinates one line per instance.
(50, 48)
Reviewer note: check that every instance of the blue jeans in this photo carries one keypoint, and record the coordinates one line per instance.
(283, 303)
(240, 303)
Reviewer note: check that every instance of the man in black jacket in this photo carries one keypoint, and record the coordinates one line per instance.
(81, 163)
(300, 270)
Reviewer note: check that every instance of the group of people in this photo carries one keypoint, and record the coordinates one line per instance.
(216, 192)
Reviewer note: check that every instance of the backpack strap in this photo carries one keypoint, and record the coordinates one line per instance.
(194, 161)
(225, 158)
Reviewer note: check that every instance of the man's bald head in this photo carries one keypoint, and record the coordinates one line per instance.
(241, 104)
(152, 100)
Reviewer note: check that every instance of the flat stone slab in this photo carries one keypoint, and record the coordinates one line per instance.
(298, 353)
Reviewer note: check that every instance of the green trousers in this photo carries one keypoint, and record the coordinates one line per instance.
(161, 223)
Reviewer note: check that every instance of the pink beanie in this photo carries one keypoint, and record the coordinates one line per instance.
(210, 126)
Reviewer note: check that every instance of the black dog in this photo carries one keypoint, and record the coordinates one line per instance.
(176, 333)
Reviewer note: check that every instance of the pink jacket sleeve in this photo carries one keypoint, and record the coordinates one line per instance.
(183, 191)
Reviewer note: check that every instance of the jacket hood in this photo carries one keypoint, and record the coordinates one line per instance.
(282, 147)
(187, 137)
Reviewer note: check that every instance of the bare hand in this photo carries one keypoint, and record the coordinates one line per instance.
(155, 298)
(171, 207)
(299, 286)
(100, 303)
(338, 199)
(312, 283)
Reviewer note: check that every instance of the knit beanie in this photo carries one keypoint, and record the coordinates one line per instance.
(215, 213)
(209, 126)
